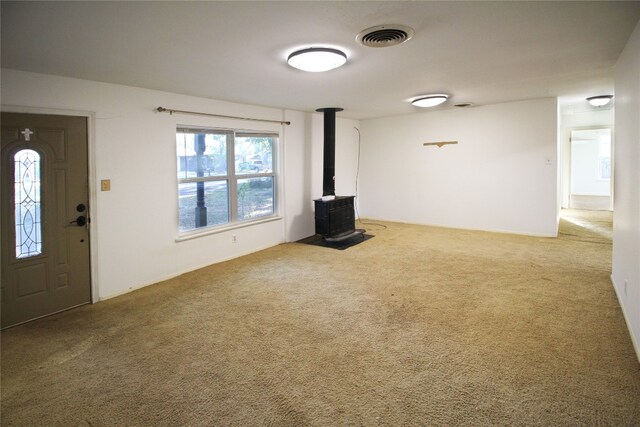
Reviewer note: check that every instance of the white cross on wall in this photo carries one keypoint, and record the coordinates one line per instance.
(27, 134)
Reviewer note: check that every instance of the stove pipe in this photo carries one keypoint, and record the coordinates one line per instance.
(329, 155)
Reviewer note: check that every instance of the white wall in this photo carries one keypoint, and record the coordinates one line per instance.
(626, 220)
(298, 163)
(501, 176)
(585, 169)
(346, 157)
(134, 226)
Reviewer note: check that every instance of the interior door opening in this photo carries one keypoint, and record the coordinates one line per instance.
(591, 169)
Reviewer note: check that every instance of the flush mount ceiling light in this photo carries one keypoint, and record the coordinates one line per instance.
(317, 59)
(600, 100)
(430, 100)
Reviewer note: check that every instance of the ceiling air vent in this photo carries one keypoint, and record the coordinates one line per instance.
(384, 35)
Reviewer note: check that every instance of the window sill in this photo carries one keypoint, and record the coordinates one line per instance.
(195, 234)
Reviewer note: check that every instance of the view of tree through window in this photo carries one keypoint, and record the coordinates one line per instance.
(224, 176)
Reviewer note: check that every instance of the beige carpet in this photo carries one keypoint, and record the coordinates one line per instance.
(419, 326)
(586, 226)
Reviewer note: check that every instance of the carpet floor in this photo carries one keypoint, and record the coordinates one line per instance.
(419, 326)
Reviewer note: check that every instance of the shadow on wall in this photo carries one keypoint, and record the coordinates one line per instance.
(303, 224)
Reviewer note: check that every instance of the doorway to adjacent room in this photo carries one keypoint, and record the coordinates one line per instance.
(591, 169)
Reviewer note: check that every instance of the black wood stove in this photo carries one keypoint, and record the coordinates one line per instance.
(335, 215)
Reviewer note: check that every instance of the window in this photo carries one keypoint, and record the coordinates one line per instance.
(27, 203)
(224, 177)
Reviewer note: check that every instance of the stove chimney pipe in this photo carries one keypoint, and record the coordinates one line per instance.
(329, 155)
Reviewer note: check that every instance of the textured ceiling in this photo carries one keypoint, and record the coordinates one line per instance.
(480, 52)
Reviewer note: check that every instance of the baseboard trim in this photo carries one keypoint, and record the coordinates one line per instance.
(634, 342)
(588, 202)
(180, 273)
(453, 227)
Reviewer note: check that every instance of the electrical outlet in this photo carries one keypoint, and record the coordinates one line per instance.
(234, 239)
(625, 288)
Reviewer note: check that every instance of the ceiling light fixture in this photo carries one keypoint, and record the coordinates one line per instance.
(317, 59)
(600, 100)
(430, 100)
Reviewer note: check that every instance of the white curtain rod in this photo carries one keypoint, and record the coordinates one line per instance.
(171, 111)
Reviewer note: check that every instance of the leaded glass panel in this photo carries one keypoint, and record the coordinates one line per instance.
(28, 222)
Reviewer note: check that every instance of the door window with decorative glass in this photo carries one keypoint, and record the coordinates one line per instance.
(224, 177)
(27, 203)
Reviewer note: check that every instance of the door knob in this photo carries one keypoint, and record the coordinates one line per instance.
(81, 221)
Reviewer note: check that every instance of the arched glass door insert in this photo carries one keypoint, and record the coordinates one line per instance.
(28, 223)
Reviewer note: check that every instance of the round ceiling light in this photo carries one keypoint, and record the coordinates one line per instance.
(430, 100)
(317, 59)
(600, 100)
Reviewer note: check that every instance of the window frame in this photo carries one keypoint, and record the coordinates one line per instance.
(231, 178)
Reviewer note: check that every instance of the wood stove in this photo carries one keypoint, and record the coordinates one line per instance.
(335, 215)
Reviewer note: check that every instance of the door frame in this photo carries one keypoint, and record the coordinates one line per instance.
(91, 163)
(566, 164)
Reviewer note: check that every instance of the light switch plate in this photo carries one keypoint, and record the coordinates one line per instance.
(105, 185)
